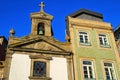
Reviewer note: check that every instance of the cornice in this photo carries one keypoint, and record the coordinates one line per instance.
(41, 15)
(89, 23)
(40, 57)
(41, 51)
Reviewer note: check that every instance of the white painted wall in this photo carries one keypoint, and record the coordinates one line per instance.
(58, 69)
(20, 67)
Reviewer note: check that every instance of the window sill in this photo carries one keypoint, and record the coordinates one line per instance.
(85, 44)
(39, 78)
(89, 79)
(105, 46)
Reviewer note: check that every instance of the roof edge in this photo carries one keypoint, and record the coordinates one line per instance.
(81, 11)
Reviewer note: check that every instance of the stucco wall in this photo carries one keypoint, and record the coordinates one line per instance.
(94, 51)
(20, 67)
(58, 69)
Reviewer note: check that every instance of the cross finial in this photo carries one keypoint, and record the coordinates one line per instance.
(42, 6)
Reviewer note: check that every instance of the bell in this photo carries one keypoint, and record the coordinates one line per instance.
(41, 32)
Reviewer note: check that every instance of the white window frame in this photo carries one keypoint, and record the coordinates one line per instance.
(104, 39)
(112, 75)
(88, 66)
(85, 38)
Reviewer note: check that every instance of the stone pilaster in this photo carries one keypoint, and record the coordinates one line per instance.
(70, 68)
(7, 65)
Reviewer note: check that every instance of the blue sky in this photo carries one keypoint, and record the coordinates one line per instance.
(16, 14)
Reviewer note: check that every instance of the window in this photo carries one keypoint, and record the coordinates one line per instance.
(109, 71)
(84, 38)
(88, 70)
(103, 40)
(39, 68)
(41, 30)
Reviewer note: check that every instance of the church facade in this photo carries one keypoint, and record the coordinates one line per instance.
(38, 56)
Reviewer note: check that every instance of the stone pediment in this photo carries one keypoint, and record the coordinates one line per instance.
(41, 44)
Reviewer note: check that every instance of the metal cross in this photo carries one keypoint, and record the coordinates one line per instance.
(42, 6)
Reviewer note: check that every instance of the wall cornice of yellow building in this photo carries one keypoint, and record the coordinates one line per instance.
(89, 23)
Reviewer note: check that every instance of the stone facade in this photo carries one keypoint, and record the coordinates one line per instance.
(38, 56)
(2, 65)
(3, 47)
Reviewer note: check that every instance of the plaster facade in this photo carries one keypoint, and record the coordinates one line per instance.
(93, 51)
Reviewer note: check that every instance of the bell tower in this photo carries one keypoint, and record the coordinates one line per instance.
(41, 22)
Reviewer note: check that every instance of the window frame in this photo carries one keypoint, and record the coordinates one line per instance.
(40, 68)
(109, 71)
(40, 58)
(84, 37)
(88, 66)
(103, 40)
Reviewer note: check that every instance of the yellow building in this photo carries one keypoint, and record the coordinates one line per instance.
(93, 45)
(117, 37)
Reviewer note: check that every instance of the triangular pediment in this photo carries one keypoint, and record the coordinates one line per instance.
(39, 44)
(42, 45)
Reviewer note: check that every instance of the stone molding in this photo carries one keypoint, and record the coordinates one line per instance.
(39, 78)
(40, 57)
(42, 51)
(89, 23)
